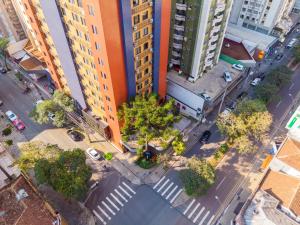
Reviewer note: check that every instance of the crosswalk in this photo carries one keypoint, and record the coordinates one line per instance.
(113, 203)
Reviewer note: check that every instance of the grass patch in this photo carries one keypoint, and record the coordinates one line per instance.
(108, 156)
(146, 164)
(6, 131)
(9, 142)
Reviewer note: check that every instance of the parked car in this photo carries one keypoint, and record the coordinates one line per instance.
(19, 124)
(75, 135)
(205, 136)
(262, 76)
(242, 95)
(93, 153)
(239, 67)
(51, 116)
(232, 105)
(226, 112)
(227, 76)
(36, 77)
(256, 81)
(3, 70)
(11, 116)
(205, 96)
(279, 57)
(38, 102)
(291, 43)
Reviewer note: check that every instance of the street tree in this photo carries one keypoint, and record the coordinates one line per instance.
(296, 52)
(266, 92)
(280, 76)
(178, 145)
(3, 47)
(145, 119)
(198, 177)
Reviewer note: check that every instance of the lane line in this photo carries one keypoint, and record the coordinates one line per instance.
(278, 104)
(156, 185)
(220, 183)
(113, 204)
(117, 200)
(125, 192)
(171, 192)
(292, 85)
(121, 195)
(167, 189)
(194, 210)
(173, 199)
(99, 217)
(104, 213)
(109, 209)
(162, 186)
(203, 219)
(129, 188)
(190, 205)
(200, 212)
(211, 219)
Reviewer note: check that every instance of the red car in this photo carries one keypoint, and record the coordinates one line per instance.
(19, 124)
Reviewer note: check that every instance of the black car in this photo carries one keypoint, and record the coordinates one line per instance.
(75, 135)
(232, 105)
(2, 70)
(242, 95)
(205, 136)
(262, 76)
(279, 57)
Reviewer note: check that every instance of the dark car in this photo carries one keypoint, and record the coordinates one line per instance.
(262, 76)
(205, 136)
(75, 135)
(2, 70)
(279, 57)
(242, 95)
(232, 105)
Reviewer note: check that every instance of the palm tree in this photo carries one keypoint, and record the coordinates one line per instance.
(3, 46)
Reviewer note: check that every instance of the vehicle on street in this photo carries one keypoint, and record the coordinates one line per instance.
(205, 136)
(3, 70)
(51, 116)
(232, 105)
(38, 102)
(262, 76)
(1, 102)
(75, 135)
(256, 81)
(279, 57)
(242, 95)
(35, 76)
(19, 124)
(93, 153)
(205, 96)
(227, 76)
(291, 43)
(239, 67)
(226, 112)
(11, 116)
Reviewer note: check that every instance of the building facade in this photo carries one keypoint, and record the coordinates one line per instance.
(103, 53)
(196, 36)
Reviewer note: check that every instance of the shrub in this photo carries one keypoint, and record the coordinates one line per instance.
(146, 164)
(6, 131)
(19, 76)
(9, 142)
(108, 156)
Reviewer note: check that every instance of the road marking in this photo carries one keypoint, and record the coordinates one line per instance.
(278, 104)
(211, 219)
(117, 199)
(167, 189)
(203, 219)
(194, 221)
(171, 192)
(187, 209)
(219, 185)
(156, 185)
(125, 192)
(99, 217)
(194, 210)
(113, 204)
(104, 213)
(112, 212)
(173, 199)
(162, 186)
(121, 195)
(129, 188)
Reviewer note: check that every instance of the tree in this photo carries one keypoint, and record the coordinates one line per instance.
(178, 145)
(67, 175)
(3, 47)
(250, 106)
(296, 52)
(64, 101)
(146, 119)
(198, 178)
(280, 76)
(266, 92)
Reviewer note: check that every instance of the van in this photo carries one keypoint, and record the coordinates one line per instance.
(291, 43)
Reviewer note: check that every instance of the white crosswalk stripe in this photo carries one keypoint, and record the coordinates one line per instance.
(211, 219)
(162, 186)
(174, 189)
(116, 199)
(99, 217)
(203, 219)
(177, 194)
(198, 215)
(167, 189)
(109, 209)
(120, 195)
(113, 204)
(129, 188)
(125, 191)
(104, 213)
(189, 206)
(156, 185)
(194, 210)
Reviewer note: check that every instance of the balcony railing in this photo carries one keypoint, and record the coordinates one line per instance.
(178, 37)
(179, 17)
(176, 54)
(178, 46)
(175, 61)
(178, 27)
(180, 6)
(220, 8)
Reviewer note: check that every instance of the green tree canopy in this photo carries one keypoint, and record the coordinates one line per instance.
(280, 76)
(3, 47)
(198, 178)
(266, 92)
(296, 52)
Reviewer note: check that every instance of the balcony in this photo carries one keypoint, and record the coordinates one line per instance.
(214, 38)
(220, 8)
(211, 46)
(178, 37)
(180, 6)
(210, 55)
(178, 46)
(179, 17)
(176, 54)
(175, 61)
(178, 27)
(208, 64)
(218, 19)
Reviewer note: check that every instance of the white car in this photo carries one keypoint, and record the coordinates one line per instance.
(256, 81)
(51, 116)
(11, 116)
(226, 112)
(205, 96)
(39, 102)
(238, 67)
(227, 76)
(93, 153)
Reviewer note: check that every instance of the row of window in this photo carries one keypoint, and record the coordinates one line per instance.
(137, 2)
(138, 18)
(137, 35)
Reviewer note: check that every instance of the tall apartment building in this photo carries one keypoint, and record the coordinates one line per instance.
(103, 52)
(196, 36)
(260, 15)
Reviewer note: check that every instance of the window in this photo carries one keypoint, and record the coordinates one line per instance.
(103, 75)
(105, 87)
(97, 45)
(146, 82)
(137, 35)
(111, 117)
(139, 87)
(82, 21)
(107, 98)
(135, 2)
(146, 31)
(138, 63)
(146, 59)
(100, 61)
(139, 76)
(145, 15)
(242, 16)
(146, 45)
(138, 50)
(87, 38)
(136, 19)
(146, 71)
(91, 10)
(94, 28)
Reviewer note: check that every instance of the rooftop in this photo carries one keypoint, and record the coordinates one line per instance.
(31, 210)
(235, 50)
(289, 153)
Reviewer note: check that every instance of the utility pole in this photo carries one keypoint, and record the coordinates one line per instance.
(223, 98)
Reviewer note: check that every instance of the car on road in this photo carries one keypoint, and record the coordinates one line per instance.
(205, 96)
(3, 70)
(75, 135)
(39, 102)
(279, 57)
(232, 105)
(242, 95)
(35, 76)
(239, 67)
(205, 136)
(256, 81)
(291, 43)
(262, 76)
(19, 124)
(93, 153)
(11, 116)
(227, 76)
